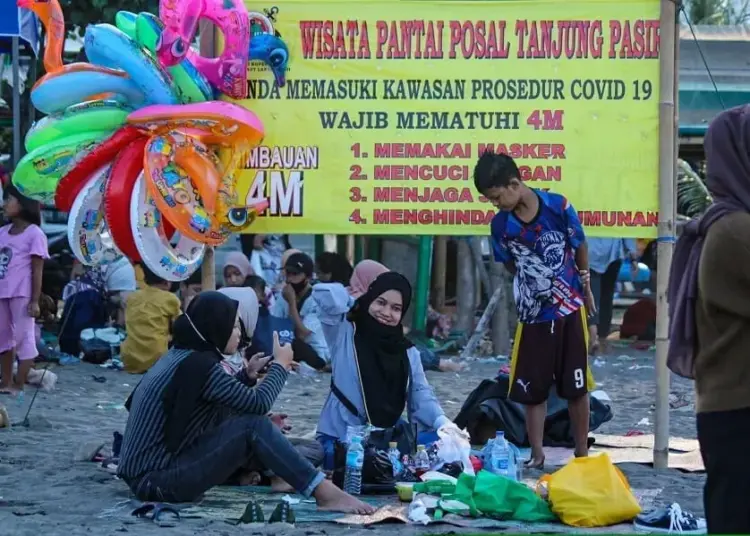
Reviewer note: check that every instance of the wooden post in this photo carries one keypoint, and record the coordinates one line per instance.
(350, 248)
(329, 241)
(484, 277)
(207, 46)
(667, 140)
(465, 289)
(439, 272)
(500, 321)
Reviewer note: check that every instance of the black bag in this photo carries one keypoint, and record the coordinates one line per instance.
(403, 433)
(487, 410)
(377, 470)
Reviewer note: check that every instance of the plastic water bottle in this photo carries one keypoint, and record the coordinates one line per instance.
(355, 458)
(421, 461)
(395, 457)
(500, 459)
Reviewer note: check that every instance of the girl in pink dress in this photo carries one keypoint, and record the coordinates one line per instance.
(23, 248)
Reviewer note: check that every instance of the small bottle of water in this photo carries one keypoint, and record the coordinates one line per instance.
(395, 457)
(500, 458)
(421, 461)
(355, 458)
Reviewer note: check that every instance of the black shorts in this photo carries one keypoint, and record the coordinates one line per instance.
(550, 353)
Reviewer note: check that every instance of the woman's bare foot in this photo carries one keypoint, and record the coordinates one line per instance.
(280, 486)
(251, 478)
(6, 389)
(446, 365)
(332, 499)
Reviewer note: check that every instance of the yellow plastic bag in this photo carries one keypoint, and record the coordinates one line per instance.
(590, 492)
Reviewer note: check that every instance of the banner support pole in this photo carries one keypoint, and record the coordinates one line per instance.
(424, 272)
(667, 140)
(208, 48)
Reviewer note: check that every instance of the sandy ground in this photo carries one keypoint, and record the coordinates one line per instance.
(44, 490)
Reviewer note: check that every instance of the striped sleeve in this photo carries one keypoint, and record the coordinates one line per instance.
(221, 388)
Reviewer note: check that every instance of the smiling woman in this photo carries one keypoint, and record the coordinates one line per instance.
(377, 371)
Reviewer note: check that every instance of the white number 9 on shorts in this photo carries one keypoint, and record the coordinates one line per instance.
(579, 378)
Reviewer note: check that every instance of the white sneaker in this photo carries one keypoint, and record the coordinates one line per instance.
(670, 520)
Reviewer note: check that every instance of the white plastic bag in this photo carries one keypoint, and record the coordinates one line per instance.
(454, 446)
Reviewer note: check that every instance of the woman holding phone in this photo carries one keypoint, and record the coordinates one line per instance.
(192, 426)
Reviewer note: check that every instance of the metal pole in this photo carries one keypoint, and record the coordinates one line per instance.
(441, 262)
(667, 120)
(424, 270)
(208, 48)
(465, 288)
(15, 53)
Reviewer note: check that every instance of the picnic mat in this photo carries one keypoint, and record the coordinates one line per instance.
(226, 503)
(684, 454)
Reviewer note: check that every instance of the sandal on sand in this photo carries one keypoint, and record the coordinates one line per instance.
(538, 465)
(283, 513)
(162, 515)
(253, 514)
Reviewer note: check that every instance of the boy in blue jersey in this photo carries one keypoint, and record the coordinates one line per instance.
(538, 236)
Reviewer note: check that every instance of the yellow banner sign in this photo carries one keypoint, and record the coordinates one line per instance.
(388, 104)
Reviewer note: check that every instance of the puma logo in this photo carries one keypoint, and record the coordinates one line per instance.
(524, 386)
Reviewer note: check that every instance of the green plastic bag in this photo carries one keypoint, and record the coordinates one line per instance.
(501, 498)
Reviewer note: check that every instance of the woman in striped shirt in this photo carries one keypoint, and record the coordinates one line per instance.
(192, 426)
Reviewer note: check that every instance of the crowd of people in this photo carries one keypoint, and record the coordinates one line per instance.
(214, 362)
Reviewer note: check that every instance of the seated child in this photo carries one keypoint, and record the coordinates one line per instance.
(149, 314)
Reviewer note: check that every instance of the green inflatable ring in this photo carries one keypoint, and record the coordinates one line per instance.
(192, 85)
(38, 173)
(125, 22)
(91, 116)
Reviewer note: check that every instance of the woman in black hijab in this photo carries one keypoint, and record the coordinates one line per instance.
(192, 426)
(377, 372)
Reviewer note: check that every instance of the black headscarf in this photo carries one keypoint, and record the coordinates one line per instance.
(727, 146)
(205, 328)
(381, 353)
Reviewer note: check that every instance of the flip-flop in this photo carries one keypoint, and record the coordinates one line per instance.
(253, 514)
(538, 465)
(283, 513)
(162, 515)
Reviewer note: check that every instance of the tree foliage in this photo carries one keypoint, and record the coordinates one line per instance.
(81, 13)
(718, 12)
(693, 198)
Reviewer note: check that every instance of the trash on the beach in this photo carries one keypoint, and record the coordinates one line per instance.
(639, 367)
(432, 476)
(106, 405)
(644, 422)
(453, 446)
(599, 362)
(290, 500)
(67, 359)
(600, 395)
(454, 507)
(678, 401)
(418, 511)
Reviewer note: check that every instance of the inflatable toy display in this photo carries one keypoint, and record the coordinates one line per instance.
(228, 71)
(128, 146)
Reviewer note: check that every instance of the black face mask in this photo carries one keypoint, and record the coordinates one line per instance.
(299, 287)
